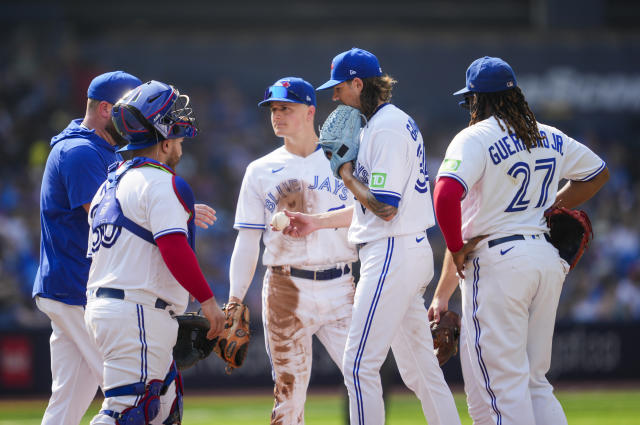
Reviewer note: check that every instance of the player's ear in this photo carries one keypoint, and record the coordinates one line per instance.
(104, 109)
(311, 112)
(357, 84)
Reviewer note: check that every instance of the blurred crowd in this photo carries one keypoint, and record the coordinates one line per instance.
(43, 87)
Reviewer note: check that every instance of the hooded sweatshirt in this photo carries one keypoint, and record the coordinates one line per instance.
(76, 167)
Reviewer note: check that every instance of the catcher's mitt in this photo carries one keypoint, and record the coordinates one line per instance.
(192, 344)
(446, 334)
(570, 232)
(234, 341)
(340, 136)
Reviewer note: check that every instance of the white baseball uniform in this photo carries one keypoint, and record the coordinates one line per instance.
(295, 306)
(136, 334)
(514, 277)
(396, 267)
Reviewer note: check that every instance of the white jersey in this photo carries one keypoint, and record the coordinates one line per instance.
(126, 261)
(281, 180)
(392, 163)
(507, 188)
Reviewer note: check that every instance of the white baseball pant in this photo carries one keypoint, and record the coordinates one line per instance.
(509, 303)
(389, 312)
(76, 363)
(137, 341)
(293, 310)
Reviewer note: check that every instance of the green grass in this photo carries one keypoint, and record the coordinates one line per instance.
(583, 407)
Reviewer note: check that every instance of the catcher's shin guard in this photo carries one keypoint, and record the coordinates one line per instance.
(145, 410)
(175, 415)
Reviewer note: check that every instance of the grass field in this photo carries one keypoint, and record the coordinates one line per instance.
(583, 407)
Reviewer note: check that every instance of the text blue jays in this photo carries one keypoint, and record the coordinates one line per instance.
(329, 184)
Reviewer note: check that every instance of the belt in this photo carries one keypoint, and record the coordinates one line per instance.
(119, 295)
(327, 274)
(505, 239)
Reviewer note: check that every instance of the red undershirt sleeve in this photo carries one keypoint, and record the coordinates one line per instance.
(183, 265)
(446, 202)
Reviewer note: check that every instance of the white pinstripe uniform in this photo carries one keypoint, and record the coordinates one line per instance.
(134, 335)
(396, 266)
(295, 308)
(514, 277)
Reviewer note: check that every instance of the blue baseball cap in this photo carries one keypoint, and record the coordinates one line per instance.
(290, 89)
(111, 86)
(487, 75)
(351, 64)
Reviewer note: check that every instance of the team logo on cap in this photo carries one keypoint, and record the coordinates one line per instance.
(286, 84)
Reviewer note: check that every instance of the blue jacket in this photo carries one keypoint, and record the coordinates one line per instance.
(76, 167)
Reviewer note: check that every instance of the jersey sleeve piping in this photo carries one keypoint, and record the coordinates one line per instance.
(169, 231)
(386, 193)
(594, 174)
(458, 178)
(249, 226)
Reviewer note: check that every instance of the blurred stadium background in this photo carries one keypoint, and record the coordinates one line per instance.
(577, 61)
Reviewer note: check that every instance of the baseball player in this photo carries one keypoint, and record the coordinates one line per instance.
(388, 223)
(308, 287)
(76, 166)
(143, 264)
(505, 168)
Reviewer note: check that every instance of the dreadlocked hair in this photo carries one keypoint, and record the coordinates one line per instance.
(510, 107)
(374, 90)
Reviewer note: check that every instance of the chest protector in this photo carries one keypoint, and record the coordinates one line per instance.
(108, 211)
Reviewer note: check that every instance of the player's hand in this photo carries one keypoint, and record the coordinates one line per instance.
(300, 224)
(215, 316)
(437, 307)
(205, 216)
(460, 257)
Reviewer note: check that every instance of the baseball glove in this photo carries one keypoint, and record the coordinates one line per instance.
(570, 232)
(192, 344)
(446, 334)
(234, 340)
(340, 136)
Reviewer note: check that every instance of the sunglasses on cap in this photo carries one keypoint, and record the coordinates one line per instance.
(281, 92)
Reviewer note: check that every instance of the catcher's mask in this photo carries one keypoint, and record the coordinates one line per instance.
(152, 112)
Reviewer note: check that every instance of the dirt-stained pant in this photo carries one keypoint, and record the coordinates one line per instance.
(389, 312)
(293, 310)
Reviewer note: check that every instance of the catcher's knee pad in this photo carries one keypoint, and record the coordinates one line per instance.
(175, 415)
(145, 410)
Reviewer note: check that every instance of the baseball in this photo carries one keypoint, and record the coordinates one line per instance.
(279, 221)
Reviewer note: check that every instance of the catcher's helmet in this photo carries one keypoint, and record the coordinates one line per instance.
(152, 112)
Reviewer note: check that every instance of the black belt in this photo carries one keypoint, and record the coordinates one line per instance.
(327, 274)
(119, 295)
(505, 239)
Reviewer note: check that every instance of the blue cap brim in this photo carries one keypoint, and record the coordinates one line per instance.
(462, 91)
(136, 146)
(329, 84)
(277, 99)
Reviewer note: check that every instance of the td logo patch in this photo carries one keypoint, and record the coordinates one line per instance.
(378, 179)
(450, 165)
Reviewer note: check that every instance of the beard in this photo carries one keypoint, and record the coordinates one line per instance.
(111, 129)
(173, 160)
